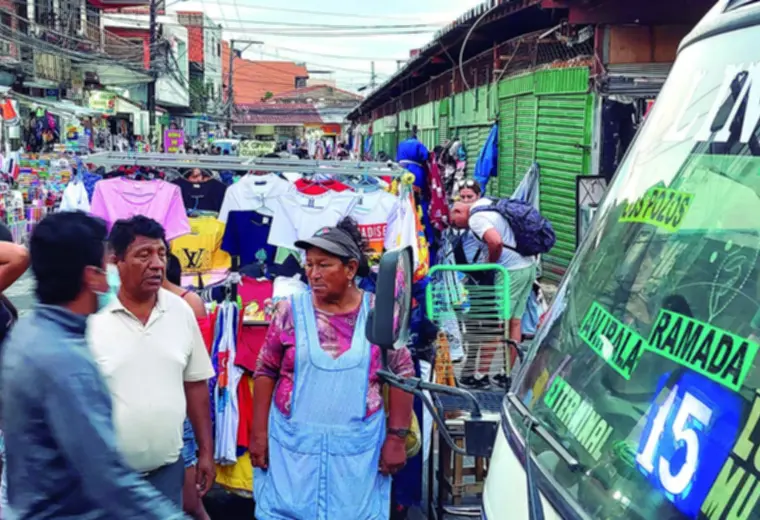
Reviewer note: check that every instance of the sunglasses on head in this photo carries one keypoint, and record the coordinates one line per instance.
(467, 183)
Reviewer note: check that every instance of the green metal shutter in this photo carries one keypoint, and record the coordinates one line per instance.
(443, 130)
(507, 122)
(525, 136)
(563, 147)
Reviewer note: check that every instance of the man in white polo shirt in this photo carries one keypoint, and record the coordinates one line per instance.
(150, 350)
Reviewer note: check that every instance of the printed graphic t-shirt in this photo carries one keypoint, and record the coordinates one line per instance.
(200, 251)
(255, 295)
(372, 213)
(122, 198)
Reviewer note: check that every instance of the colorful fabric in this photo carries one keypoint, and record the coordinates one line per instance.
(335, 331)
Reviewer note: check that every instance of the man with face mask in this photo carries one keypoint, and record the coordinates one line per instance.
(62, 457)
(149, 348)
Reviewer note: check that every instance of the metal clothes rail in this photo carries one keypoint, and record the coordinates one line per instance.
(236, 163)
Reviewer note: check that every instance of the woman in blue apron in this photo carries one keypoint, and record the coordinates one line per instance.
(321, 446)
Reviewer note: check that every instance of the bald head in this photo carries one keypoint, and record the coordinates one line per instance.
(460, 214)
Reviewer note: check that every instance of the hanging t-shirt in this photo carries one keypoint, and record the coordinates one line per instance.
(298, 216)
(202, 196)
(256, 296)
(245, 236)
(308, 187)
(123, 198)
(74, 197)
(201, 251)
(402, 227)
(252, 193)
(371, 213)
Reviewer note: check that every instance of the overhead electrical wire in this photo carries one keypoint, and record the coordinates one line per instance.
(331, 14)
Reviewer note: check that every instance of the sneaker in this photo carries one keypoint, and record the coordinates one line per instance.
(475, 383)
(503, 381)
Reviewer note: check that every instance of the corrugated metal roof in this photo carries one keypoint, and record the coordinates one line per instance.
(278, 114)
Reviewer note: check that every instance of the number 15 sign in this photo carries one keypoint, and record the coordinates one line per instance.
(687, 437)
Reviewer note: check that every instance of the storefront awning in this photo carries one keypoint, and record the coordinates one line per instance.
(59, 108)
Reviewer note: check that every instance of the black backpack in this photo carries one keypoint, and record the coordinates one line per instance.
(534, 234)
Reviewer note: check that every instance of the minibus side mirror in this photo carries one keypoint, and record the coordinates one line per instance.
(388, 323)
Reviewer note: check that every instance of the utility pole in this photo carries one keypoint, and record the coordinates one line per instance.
(153, 73)
(373, 76)
(230, 91)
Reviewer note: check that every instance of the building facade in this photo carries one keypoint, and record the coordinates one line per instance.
(205, 57)
(567, 82)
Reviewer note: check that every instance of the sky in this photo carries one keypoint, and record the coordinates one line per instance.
(348, 55)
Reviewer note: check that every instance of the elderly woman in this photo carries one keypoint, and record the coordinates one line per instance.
(321, 444)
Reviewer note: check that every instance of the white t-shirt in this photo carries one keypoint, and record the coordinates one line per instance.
(75, 198)
(145, 368)
(299, 216)
(372, 213)
(402, 228)
(253, 193)
(483, 221)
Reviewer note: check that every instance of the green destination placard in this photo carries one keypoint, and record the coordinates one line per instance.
(661, 207)
(578, 416)
(734, 494)
(617, 344)
(715, 353)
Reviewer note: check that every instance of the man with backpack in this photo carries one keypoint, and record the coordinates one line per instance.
(514, 233)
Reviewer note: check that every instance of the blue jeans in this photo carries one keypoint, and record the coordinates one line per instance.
(189, 448)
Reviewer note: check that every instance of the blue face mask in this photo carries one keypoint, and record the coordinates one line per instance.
(114, 283)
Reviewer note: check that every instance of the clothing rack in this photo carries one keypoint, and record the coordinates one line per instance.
(236, 163)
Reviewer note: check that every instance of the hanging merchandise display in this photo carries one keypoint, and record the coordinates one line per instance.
(235, 246)
(124, 197)
(201, 191)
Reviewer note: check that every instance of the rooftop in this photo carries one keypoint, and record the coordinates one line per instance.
(277, 114)
(253, 79)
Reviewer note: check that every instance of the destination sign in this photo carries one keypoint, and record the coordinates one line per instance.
(736, 490)
(578, 416)
(715, 353)
(619, 345)
(661, 207)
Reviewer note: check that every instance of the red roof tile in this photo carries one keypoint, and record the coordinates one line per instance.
(277, 114)
(299, 92)
(253, 79)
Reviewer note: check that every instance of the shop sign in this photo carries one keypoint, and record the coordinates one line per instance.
(52, 68)
(174, 140)
(103, 102)
(331, 129)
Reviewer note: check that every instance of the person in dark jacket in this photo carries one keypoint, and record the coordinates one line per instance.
(62, 457)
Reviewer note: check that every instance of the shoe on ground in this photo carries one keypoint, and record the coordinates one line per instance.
(475, 383)
(502, 381)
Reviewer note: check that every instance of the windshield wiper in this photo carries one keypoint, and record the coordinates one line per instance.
(535, 508)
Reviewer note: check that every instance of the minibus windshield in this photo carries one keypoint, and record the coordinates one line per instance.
(646, 369)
